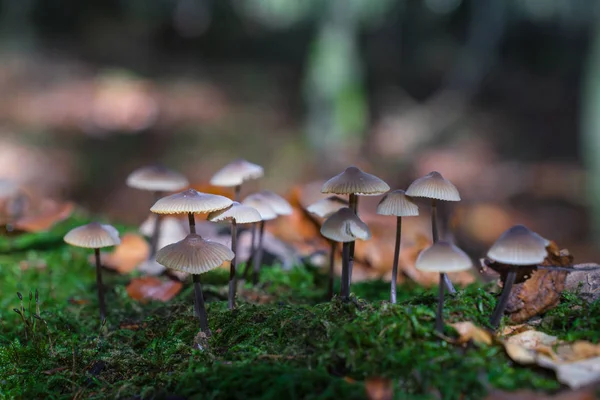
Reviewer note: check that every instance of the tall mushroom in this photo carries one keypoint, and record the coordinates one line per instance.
(344, 226)
(323, 209)
(520, 249)
(237, 214)
(354, 182)
(235, 174)
(158, 179)
(195, 256)
(398, 204)
(267, 213)
(95, 236)
(442, 257)
(435, 187)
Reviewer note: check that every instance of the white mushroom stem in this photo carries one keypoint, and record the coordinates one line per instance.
(156, 229)
(199, 305)
(258, 253)
(439, 318)
(232, 272)
(353, 201)
(99, 285)
(503, 300)
(436, 238)
(396, 259)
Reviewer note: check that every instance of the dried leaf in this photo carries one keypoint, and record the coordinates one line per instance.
(526, 346)
(132, 251)
(575, 374)
(132, 326)
(379, 388)
(151, 288)
(48, 213)
(468, 331)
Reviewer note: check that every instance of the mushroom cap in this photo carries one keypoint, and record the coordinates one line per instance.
(280, 205)
(327, 206)
(93, 236)
(262, 205)
(397, 203)
(443, 257)
(355, 181)
(345, 226)
(433, 186)
(240, 213)
(237, 172)
(157, 178)
(190, 201)
(194, 255)
(519, 246)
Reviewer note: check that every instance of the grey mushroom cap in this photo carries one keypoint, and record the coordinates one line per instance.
(443, 257)
(433, 186)
(397, 203)
(93, 236)
(190, 201)
(239, 213)
(280, 205)
(355, 181)
(519, 246)
(260, 204)
(194, 255)
(237, 172)
(327, 206)
(157, 178)
(345, 226)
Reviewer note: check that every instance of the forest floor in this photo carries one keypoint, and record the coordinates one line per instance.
(283, 341)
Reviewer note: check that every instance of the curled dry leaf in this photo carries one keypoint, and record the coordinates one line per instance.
(151, 288)
(132, 251)
(468, 331)
(45, 216)
(379, 388)
(525, 347)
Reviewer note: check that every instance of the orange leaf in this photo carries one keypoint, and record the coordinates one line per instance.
(379, 388)
(151, 288)
(132, 251)
(49, 213)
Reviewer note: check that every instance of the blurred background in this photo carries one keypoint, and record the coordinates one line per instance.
(501, 97)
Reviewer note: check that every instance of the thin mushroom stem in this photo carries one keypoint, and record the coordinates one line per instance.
(99, 285)
(345, 289)
(436, 238)
(192, 222)
(503, 300)
(199, 305)
(156, 229)
(237, 192)
(331, 272)
(232, 273)
(251, 254)
(396, 258)
(439, 318)
(353, 202)
(258, 253)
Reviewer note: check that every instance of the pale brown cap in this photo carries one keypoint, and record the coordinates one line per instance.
(433, 186)
(519, 246)
(260, 204)
(237, 172)
(280, 205)
(194, 255)
(157, 178)
(240, 213)
(345, 226)
(327, 206)
(190, 201)
(93, 236)
(397, 203)
(443, 257)
(353, 180)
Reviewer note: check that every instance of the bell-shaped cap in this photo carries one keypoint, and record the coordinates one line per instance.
(397, 203)
(327, 206)
(355, 181)
(345, 226)
(433, 186)
(157, 178)
(443, 257)
(194, 255)
(519, 246)
(190, 201)
(237, 172)
(240, 213)
(280, 205)
(260, 204)
(93, 236)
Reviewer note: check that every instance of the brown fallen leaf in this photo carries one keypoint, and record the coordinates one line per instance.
(47, 214)
(78, 302)
(525, 347)
(379, 388)
(132, 326)
(132, 251)
(469, 331)
(151, 288)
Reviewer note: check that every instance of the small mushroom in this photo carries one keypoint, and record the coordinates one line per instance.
(157, 179)
(398, 204)
(442, 257)
(518, 247)
(354, 182)
(235, 174)
(237, 214)
(195, 256)
(323, 209)
(95, 236)
(344, 226)
(435, 187)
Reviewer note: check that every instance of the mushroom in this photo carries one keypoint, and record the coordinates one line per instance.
(519, 248)
(235, 174)
(95, 236)
(344, 226)
(158, 179)
(195, 256)
(398, 204)
(354, 182)
(172, 230)
(263, 206)
(237, 214)
(442, 257)
(323, 209)
(435, 187)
